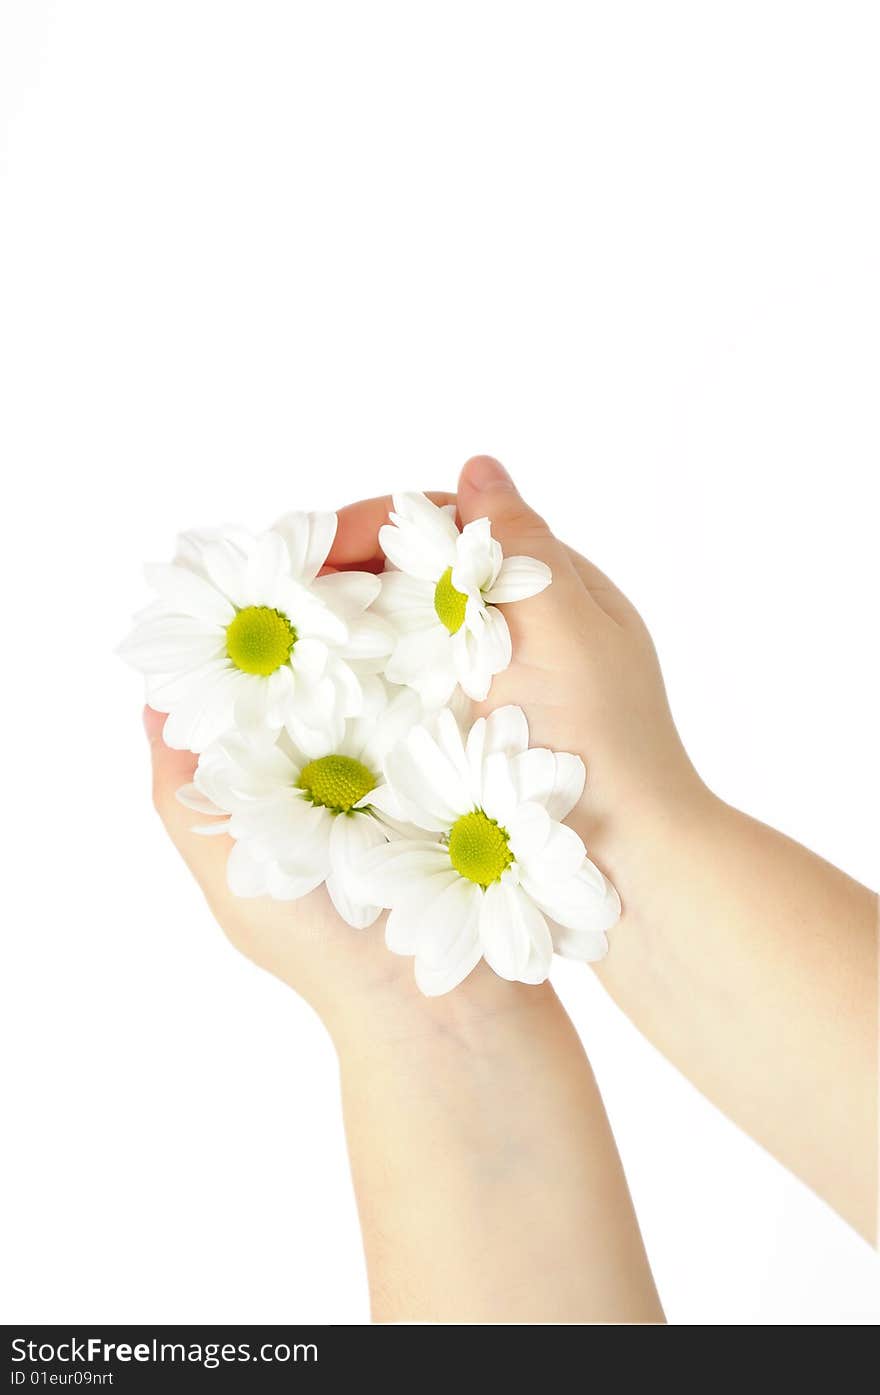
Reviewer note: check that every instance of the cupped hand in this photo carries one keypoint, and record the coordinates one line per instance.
(584, 667)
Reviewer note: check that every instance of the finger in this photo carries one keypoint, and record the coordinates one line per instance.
(485, 490)
(206, 857)
(602, 589)
(357, 536)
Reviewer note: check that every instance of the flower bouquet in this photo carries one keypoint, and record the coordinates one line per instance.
(331, 715)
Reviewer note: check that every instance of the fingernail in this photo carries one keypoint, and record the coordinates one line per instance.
(485, 473)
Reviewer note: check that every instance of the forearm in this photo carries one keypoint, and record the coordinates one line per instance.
(487, 1179)
(753, 965)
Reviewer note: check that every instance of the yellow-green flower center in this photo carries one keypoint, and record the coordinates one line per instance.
(449, 604)
(478, 848)
(259, 640)
(336, 782)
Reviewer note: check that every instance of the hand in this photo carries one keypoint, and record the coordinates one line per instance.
(585, 671)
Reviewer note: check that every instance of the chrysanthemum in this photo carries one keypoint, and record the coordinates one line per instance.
(245, 634)
(442, 600)
(300, 820)
(496, 875)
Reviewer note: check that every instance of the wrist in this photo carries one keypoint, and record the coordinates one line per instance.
(483, 1015)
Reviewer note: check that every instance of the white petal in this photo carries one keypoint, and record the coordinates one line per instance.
(315, 740)
(281, 696)
(442, 920)
(568, 785)
(406, 601)
(384, 800)
(286, 886)
(514, 935)
(199, 719)
(252, 704)
(561, 856)
(495, 643)
(481, 652)
(518, 578)
(447, 733)
(225, 565)
(352, 836)
(450, 788)
(503, 935)
(349, 699)
(350, 839)
(267, 565)
(308, 613)
(577, 903)
(449, 942)
(533, 774)
(403, 927)
(529, 827)
(506, 730)
(314, 701)
(185, 593)
(348, 593)
(382, 729)
(409, 797)
(309, 659)
(586, 945)
(554, 779)
(300, 848)
(435, 982)
(308, 538)
(438, 523)
(420, 539)
(473, 675)
(418, 651)
(244, 875)
(165, 691)
(541, 951)
(172, 643)
(369, 637)
(192, 798)
(389, 874)
(477, 558)
(191, 545)
(354, 912)
(498, 795)
(438, 686)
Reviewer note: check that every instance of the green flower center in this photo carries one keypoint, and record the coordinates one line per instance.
(259, 640)
(336, 782)
(449, 604)
(478, 848)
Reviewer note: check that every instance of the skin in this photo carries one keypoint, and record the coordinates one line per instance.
(487, 1180)
(750, 962)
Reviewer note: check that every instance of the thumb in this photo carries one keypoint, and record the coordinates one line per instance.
(485, 490)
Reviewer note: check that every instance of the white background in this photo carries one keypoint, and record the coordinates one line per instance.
(258, 256)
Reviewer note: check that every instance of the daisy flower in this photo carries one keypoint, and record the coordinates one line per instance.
(496, 874)
(442, 599)
(245, 634)
(300, 820)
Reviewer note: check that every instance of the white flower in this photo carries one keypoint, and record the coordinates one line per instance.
(496, 875)
(442, 599)
(246, 635)
(298, 820)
